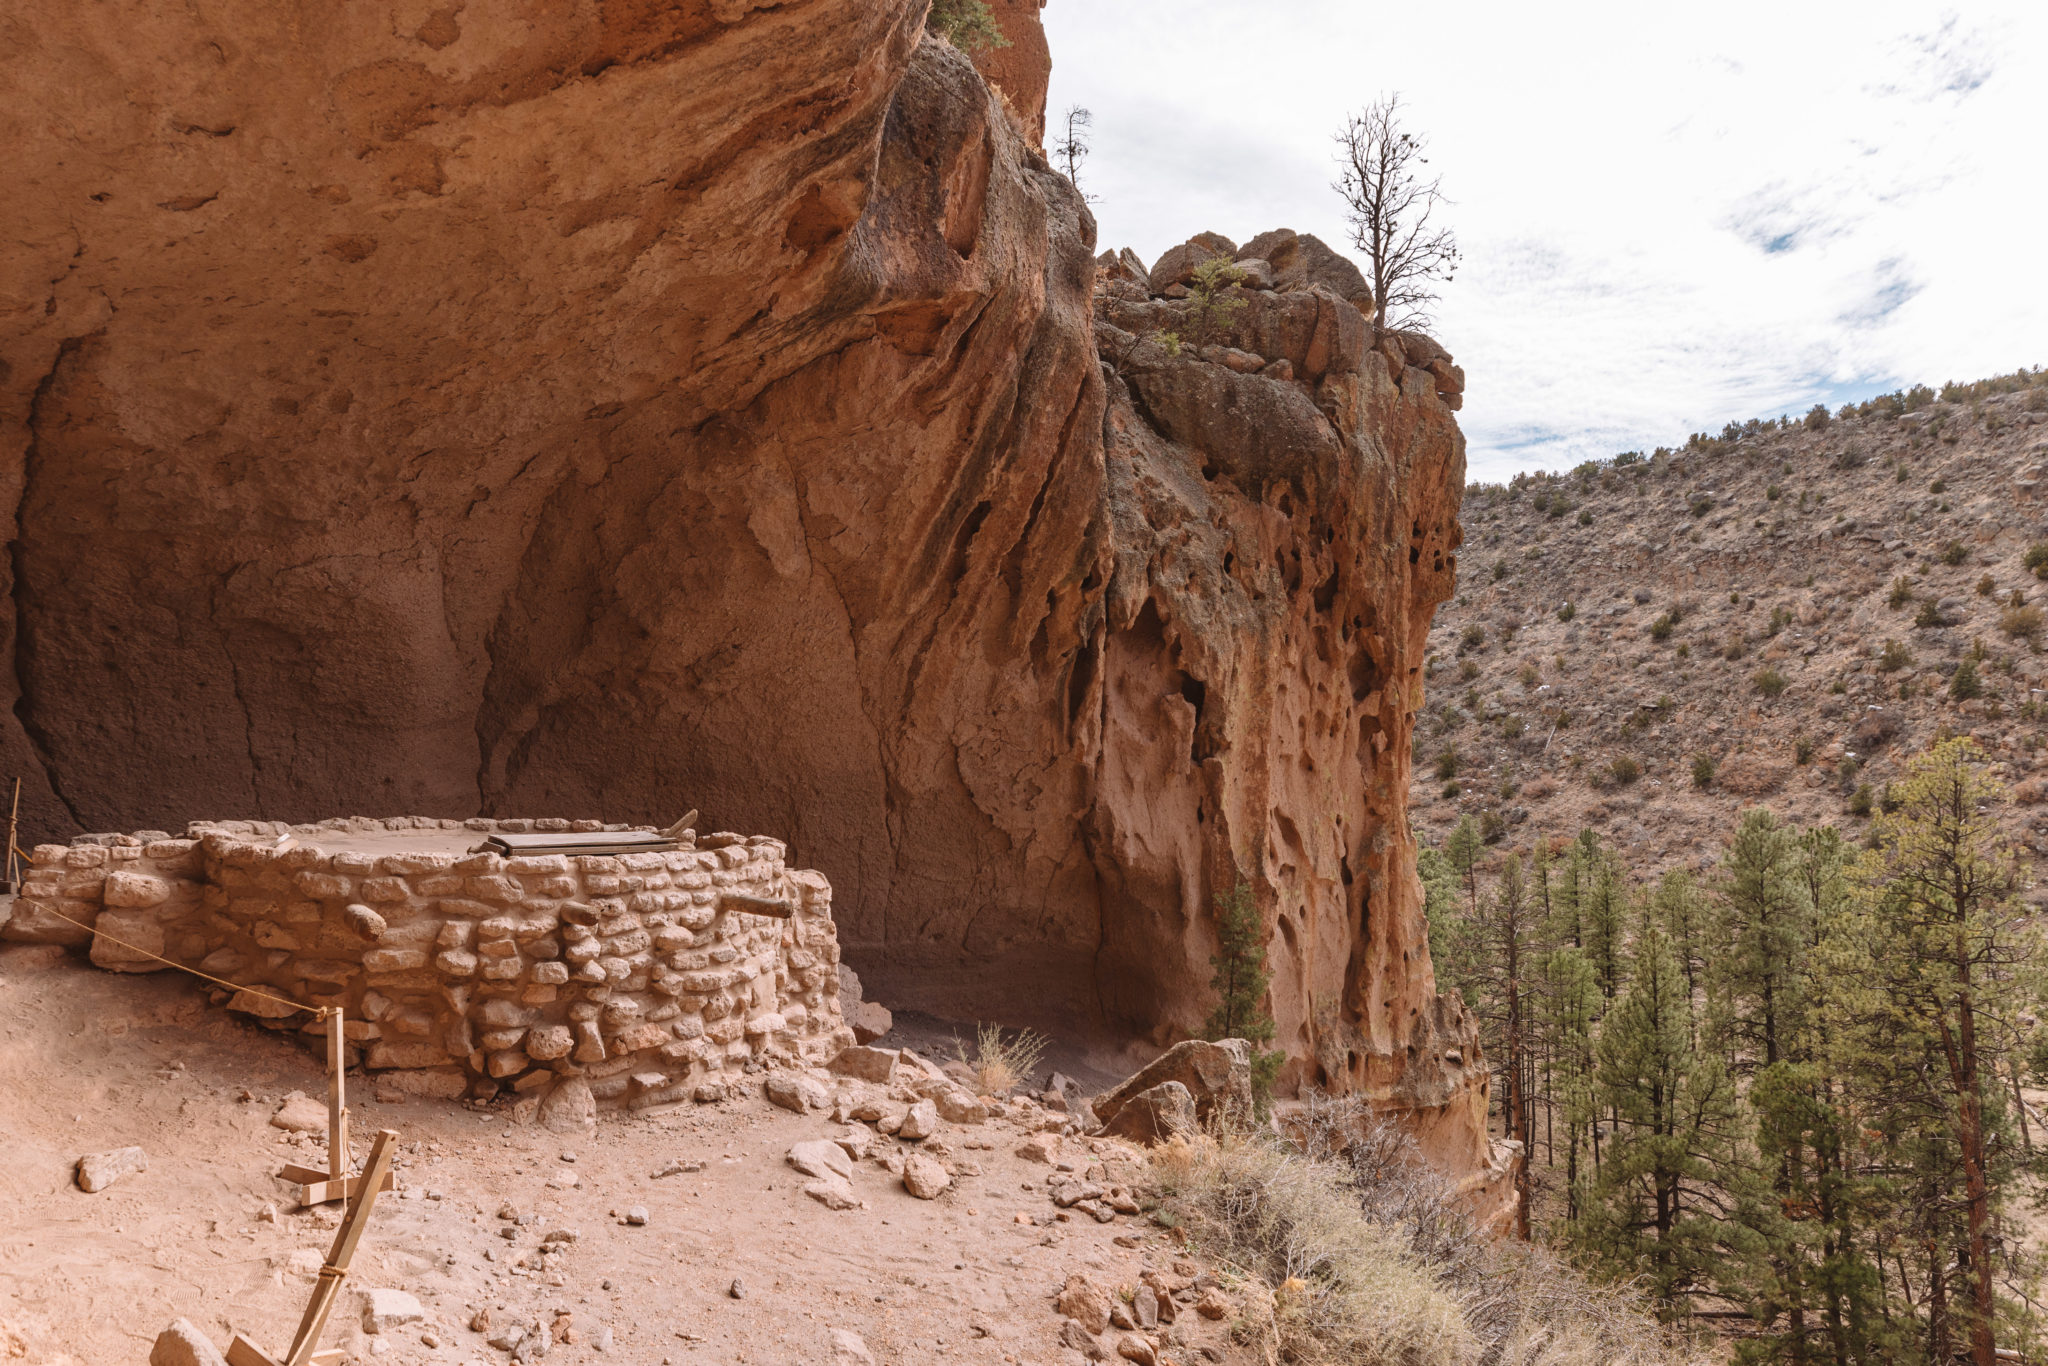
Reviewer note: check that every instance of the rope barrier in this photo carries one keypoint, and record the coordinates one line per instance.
(221, 981)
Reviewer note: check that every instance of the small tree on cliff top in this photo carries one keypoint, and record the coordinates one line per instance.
(966, 24)
(1389, 206)
(1240, 984)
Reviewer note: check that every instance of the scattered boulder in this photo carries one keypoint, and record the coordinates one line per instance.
(636, 1216)
(821, 1158)
(182, 1344)
(300, 1114)
(1136, 1347)
(793, 1091)
(384, 1310)
(866, 1064)
(870, 1021)
(833, 1193)
(847, 1349)
(956, 1105)
(97, 1171)
(1212, 1075)
(1153, 1115)
(1214, 1304)
(569, 1108)
(925, 1177)
(1085, 1303)
(920, 1121)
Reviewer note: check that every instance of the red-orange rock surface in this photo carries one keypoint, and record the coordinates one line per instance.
(619, 409)
(1023, 69)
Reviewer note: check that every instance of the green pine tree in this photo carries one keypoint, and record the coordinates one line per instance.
(1240, 984)
(1667, 1203)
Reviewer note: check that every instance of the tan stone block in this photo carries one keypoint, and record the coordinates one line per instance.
(384, 889)
(387, 1053)
(139, 928)
(405, 865)
(541, 865)
(394, 960)
(330, 886)
(456, 962)
(438, 884)
(502, 969)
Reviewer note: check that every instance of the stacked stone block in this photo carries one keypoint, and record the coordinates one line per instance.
(652, 976)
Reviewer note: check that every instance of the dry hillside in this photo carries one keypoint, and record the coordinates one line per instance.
(1790, 600)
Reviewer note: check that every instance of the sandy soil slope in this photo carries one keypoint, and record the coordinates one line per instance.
(90, 1062)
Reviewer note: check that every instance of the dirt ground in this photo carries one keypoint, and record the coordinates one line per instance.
(91, 1061)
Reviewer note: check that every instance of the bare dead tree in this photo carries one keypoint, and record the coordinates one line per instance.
(1072, 149)
(1390, 207)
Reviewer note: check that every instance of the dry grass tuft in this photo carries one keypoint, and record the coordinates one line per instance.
(1374, 1260)
(1000, 1064)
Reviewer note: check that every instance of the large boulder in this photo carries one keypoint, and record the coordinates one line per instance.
(1153, 1115)
(1300, 259)
(1214, 1076)
(1178, 264)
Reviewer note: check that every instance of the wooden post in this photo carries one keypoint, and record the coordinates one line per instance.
(242, 1352)
(337, 1105)
(318, 1187)
(13, 833)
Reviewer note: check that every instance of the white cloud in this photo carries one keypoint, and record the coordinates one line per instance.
(1672, 216)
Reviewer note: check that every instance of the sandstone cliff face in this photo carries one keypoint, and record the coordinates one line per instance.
(617, 410)
(1282, 505)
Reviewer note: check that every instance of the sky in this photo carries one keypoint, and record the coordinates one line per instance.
(1672, 216)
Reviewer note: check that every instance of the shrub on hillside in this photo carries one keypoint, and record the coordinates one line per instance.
(1893, 657)
(1567, 612)
(1467, 670)
(1862, 800)
(2036, 559)
(1802, 750)
(1701, 505)
(1471, 638)
(1447, 762)
(2021, 623)
(1964, 684)
(1374, 1258)
(1929, 616)
(1817, 417)
(1901, 594)
(1703, 771)
(1624, 770)
(1955, 552)
(1769, 681)
(1660, 629)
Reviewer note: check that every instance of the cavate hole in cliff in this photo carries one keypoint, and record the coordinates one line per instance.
(1196, 692)
(1326, 592)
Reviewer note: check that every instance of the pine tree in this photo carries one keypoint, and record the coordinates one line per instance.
(1603, 913)
(1683, 913)
(1240, 985)
(1933, 954)
(1767, 931)
(1668, 1202)
(1569, 1006)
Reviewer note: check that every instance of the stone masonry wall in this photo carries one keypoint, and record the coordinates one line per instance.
(649, 975)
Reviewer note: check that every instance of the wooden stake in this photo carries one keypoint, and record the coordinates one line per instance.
(13, 831)
(315, 1186)
(242, 1352)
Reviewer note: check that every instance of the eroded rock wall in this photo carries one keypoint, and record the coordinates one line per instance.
(629, 409)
